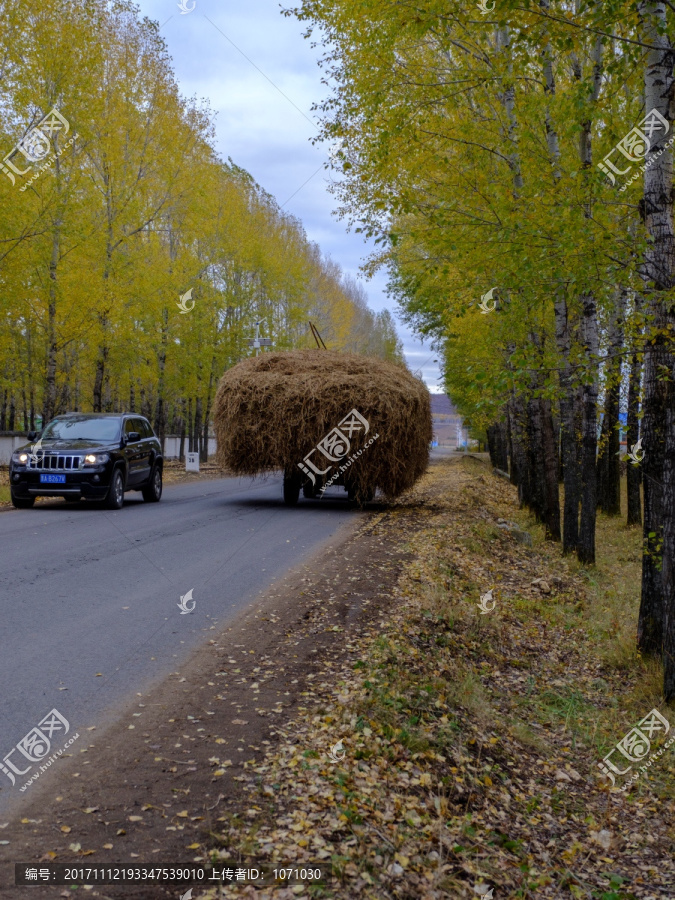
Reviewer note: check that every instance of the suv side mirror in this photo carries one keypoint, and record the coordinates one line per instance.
(134, 436)
(32, 435)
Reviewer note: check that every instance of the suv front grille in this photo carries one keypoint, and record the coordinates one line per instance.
(52, 461)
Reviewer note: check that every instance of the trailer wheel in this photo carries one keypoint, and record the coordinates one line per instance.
(291, 489)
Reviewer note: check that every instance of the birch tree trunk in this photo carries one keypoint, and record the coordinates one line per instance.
(568, 415)
(568, 452)
(633, 473)
(609, 464)
(589, 436)
(509, 437)
(656, 625)
(550, 456)
(49, 403)
(589, 338)
(498, 445)
(650, 624)
(160, 408)
(503, 446)
(491, 433)
(520, 471)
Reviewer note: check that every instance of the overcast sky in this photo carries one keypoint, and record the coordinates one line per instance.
(260, 77)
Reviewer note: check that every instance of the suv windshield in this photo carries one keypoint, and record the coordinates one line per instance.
(75, 428)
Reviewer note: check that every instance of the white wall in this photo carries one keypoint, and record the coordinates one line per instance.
(172, 446)
(8, 444)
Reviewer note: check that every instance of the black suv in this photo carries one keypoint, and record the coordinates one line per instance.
(97, 456)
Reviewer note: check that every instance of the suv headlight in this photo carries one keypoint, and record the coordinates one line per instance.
(95, 459)
(20, 457)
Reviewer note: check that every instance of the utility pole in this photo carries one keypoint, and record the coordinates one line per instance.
(257, 342)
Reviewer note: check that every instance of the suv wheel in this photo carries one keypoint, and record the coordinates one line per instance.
(152, 492)
(115, 497)
(22, 502)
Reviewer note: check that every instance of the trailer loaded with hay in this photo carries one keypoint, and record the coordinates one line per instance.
(325, 419)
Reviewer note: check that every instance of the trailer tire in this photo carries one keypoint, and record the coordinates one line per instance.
(291, 489)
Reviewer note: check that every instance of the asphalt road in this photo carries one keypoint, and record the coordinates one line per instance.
(85, 591)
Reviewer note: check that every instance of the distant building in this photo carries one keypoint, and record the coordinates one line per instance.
(449, 428)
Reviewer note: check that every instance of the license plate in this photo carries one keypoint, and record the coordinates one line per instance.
(52, 479)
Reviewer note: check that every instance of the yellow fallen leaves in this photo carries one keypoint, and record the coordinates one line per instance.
(379, 810)
(66, 829)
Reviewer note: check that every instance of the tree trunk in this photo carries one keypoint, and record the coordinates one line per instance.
(509, 436)
(181, 451)
(98, 378)
(520, 472)
(633, 473)
(491, 434)
(189, 425)
(589, 435)
(49, 399)
(502, 446)
(668, 575)
(650, 625)
(160, 411)
(107, 394)
(568, 437)
(197, 426)
(205, 440)
(207, 411)
(589, 339)
(656, 625)
(550, 454)
(535, 459)
(609, 464)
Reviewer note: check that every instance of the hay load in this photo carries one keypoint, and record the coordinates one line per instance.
(325, 418)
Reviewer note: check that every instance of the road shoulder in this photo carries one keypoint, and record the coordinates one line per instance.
(154, 784)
